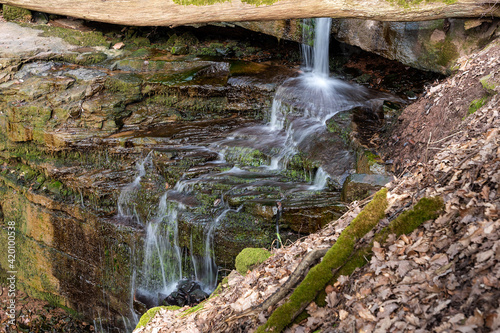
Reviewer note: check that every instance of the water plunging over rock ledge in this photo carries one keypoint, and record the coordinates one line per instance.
(216, 207)
(131, 171)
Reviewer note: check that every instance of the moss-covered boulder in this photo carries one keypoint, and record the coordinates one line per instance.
(250, 258)
(152, 312)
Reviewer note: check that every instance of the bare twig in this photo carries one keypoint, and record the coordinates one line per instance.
(446, 137)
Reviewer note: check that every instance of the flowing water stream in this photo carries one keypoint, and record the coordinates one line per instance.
(253, 170)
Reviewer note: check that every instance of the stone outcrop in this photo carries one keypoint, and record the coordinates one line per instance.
(430, 45)
(433, 45)
(62, 168)
(177, 12)
(75, 120)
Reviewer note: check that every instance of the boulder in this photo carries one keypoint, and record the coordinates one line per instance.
(359, 186)
(249, 258)
(429, 45)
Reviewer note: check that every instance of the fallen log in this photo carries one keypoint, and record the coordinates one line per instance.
(179, 12)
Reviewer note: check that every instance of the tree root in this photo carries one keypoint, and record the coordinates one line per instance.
(426, 209)
(348, 253)
(298, 275)
(318, 276)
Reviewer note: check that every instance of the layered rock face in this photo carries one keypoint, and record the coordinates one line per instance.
(433, 45)
(63, 170)
(77, 119)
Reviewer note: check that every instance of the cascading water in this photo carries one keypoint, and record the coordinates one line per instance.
(300, 110)
(302, 105)
(162, 264)
(320, 180)
(206, 271)
(316, 56)
(126, 208)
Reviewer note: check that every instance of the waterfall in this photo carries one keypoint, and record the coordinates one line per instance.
(315, 45)
(299, 112)
(320, 180)
(208, 272)
(302, 105)
(126, 207)
(162, 264)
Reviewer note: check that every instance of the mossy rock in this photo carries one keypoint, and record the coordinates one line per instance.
(477, 104)
(179, 50)
(448, 53)
(152, 312)
(138, 42)
(75, 37)
(489, 83)
(90, 58)
(250, 258)
(11, 13)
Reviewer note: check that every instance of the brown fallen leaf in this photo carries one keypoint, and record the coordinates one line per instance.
(118, 46)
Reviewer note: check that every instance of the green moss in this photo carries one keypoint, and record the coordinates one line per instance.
(335, 127)
(212, 50)
(260, 2)
(477, 104)
(152, 312)
(249, 258)
(304, 315)
(321, 274)
(140, 53)
(11, 13)
(179, 50)
(198, 2)
(448, 53)
(410, 3)
(138, 42)
(487, 84)
(85, 59)
(245, 156)
(75, 37)
(426, 209)
(125, 83)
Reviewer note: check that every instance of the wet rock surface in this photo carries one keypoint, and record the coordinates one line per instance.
(441, 277)
(77, 119)
(187, 292)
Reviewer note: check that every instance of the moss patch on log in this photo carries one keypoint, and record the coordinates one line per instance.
(410, 3)
(321, 274)
(426, 209)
